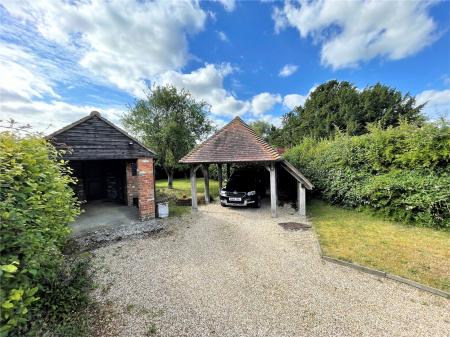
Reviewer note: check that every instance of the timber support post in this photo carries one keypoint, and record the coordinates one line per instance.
(194, 187)
(273, 189)
(219, 175)
(301, 200)
(205, 169)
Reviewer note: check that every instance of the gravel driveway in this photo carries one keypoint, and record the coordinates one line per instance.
(235, 272)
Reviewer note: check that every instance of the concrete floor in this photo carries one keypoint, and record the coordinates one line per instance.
(101, 213)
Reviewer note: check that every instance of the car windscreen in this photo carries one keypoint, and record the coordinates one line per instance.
(241, 183)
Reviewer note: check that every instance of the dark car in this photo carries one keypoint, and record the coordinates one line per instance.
(244, 188)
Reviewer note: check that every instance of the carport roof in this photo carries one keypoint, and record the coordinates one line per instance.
(236, 142)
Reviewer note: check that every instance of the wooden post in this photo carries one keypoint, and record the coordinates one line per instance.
(273, 190)
(194, 188)
(301, 199)
(219, 174)
(205, 169)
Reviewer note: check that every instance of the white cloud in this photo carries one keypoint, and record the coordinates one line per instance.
(47, 117)
(20, 79)
(119, 43)
(222, 36)
(27, 94)
(294, 100)
(352, 32)
(264, 102)
(207, 83)
(274, 120)
(437, 102)
(288, 70)
(229, 5)
(125, 42)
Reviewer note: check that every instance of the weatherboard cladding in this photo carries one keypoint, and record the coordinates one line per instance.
(235, 142)
(94, 138)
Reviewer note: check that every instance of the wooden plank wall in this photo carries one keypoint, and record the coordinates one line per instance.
(94, 139)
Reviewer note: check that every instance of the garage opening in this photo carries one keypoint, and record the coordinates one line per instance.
(100, 180)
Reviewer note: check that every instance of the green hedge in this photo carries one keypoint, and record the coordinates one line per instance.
(36, 204)
(401, 172)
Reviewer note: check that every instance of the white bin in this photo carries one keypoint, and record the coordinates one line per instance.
(163, 209)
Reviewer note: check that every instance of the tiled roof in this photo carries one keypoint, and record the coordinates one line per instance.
(236, 142)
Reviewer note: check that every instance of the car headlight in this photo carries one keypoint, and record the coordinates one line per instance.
(223, 193)
(251, 193)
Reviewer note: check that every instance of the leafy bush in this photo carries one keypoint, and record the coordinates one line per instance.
(401, 172)
(36, 204)
(65, 293)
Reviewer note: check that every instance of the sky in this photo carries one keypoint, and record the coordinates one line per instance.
(59, 60)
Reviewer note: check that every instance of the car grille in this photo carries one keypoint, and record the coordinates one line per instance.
(236, 194)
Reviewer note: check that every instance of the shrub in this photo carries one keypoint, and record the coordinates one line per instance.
(36, 204)
(401, 172)
(65, 300)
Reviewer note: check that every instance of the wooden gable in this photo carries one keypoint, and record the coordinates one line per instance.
(96, 138)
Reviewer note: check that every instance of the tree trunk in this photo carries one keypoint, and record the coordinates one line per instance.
(169, 179)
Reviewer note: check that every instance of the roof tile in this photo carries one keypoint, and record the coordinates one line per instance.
(235, 142)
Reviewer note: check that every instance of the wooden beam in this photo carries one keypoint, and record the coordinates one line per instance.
(219, 174)
(205, 169)
(301, 200)
(194, 188)
(273, 190)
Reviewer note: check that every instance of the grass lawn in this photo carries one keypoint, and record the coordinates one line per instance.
(420, 254)
(182, 188)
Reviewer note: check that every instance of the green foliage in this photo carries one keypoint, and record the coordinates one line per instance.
(64, 298)
(401, 172)
(267, 131)
(338, 105)
(170, 122)
(36, 204)
(16, 300)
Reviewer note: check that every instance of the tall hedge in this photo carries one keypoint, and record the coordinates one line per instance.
(401, 172)
(36, 204)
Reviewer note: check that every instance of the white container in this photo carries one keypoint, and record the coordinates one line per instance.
(163, 209)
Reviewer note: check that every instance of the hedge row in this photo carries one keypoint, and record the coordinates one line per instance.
(36, 204)
(401, 172)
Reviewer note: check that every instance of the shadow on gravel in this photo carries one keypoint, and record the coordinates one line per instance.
(104, 236)
(294, 226)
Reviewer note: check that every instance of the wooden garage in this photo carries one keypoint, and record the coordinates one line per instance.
(108, 163)
(237, 143)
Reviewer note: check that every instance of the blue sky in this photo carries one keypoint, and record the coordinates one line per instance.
(256, 59)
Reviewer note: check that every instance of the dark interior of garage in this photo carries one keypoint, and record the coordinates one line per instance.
(100, 180)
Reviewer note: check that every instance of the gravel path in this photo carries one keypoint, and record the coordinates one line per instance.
(235, 272)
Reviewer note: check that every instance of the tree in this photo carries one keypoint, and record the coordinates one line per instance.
(169, 121)
(341, 106)
(264, 129)
(387, 106)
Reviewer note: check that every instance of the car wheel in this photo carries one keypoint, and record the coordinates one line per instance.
(257, 204)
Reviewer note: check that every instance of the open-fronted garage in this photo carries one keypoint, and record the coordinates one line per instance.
(111, 168)
(237, 144)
